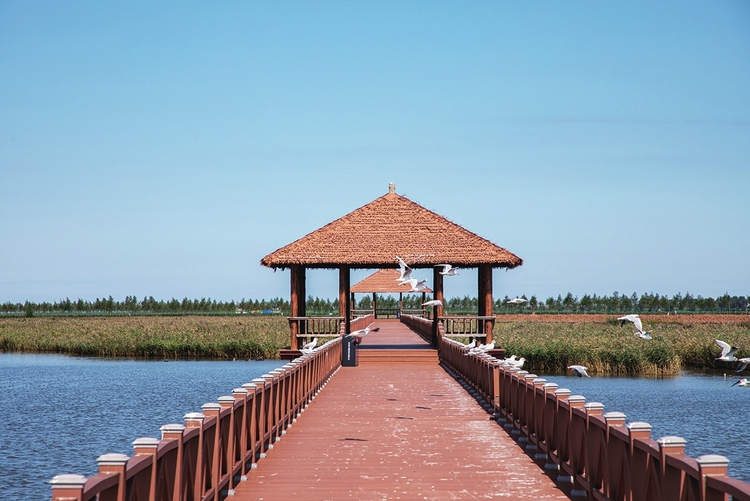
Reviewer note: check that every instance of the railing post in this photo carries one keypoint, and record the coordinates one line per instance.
(671, 480)
(715, 466)
(67, 487)
(115, 464)
(175, 432)
(639, 459)
(213, 409)
(146, 446)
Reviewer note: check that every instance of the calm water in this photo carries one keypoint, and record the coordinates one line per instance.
(704, 409)
(61, 413)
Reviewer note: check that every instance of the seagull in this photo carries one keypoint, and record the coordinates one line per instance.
(742, 364)
(405, 271)
(727, 352)
(472, 344)
(518, 363)
(434, 302)
(742, 382)
(578, 370)
(416, 285)
(448, 270)
(638, 325)
(358, 335)
(309, 346)
(482, 348)
(517, 300)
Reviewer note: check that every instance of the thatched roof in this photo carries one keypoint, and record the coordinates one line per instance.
(389, 226)
(383, 282)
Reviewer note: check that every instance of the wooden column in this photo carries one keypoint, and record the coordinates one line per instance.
(344, 293)
(374, 305)
(437, 292)
(296, 301)
(485, 299)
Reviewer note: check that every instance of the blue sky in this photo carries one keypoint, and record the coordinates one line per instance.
(165, 149)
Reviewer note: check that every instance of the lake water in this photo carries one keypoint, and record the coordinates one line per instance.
(61, 413)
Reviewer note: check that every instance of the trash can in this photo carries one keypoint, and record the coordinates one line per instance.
(349, 352)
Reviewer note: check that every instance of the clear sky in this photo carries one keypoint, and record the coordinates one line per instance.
(164, 148)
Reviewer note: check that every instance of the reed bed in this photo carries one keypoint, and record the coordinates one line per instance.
(605, 347)
(241, 337)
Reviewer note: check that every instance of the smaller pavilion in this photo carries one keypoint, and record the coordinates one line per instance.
(385, 281)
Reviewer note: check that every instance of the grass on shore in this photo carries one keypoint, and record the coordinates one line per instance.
(148, 337)
(598, 343)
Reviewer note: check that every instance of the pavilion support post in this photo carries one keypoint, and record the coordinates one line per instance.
(296, 302)
(352, 305)
(400, 303)
(374, 305)
(437, 311)
(485, 301)
(344, 293)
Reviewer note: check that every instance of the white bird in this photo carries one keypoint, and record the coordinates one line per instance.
(517, 300)
(358, 335)
(638, 325)
(578, 370)
(405, 271)
(511, 358)
(482, 348)
(727, 352)
(309, 346)
(416, 285)
(472, 344)
(742, 382)
(448, 270)
(434, 302)
(518, 363)
(742, 364)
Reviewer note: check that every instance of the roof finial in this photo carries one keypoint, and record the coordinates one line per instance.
(391, 187)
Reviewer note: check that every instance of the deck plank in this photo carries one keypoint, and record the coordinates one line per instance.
(396, 431)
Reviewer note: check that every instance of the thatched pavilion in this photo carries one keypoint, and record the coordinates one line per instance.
(372, 236)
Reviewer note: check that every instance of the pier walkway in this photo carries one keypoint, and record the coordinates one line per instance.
(395, 430)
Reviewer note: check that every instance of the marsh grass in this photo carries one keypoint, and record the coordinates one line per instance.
(148, 337)
(607, 348)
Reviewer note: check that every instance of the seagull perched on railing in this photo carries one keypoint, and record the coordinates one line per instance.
(405, 271)
(434, 302)
(472, 344)
(742, 364)
(578, 370)
(358, 335)
(638, 325)
(727, 351)
(309, 347)
(448, 270)
(482, 348)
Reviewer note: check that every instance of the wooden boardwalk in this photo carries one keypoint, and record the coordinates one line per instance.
(394, 430)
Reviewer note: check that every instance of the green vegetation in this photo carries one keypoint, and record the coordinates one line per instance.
(243, 337)
(607, 348)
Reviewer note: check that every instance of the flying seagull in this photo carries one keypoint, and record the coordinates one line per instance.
(405, 271)
(638, 325)
(416, 285)
(448, 270)
(434, 302)
(727, 352)
(358, 335)
(517, 300)
(742, 382)
(578, 370)
(742, 364)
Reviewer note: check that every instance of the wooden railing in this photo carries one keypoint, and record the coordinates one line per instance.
(306, 328)
(215, 449)
(361, 322)
(420, 325)
(596, 453)
(465, 325)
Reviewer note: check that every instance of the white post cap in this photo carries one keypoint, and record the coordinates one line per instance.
(68, 480)
(112, 459)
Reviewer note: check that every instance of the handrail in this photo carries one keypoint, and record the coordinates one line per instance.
(361, 322)
(465, 325)
(308, 327)
(596, 453)
(420, 325)
(215, 449)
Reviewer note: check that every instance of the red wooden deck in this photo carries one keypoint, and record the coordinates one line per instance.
(394, 430)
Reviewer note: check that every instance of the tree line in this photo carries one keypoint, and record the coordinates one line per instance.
(588, 303)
